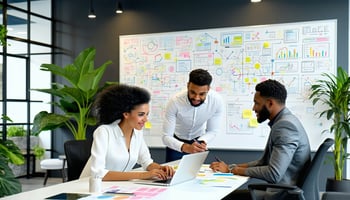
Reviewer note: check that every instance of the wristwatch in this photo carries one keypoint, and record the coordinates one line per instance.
(231, 167)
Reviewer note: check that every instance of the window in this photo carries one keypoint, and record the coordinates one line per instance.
(29, 44)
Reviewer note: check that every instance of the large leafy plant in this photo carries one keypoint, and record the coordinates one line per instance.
(9, 153)
(75, 98)
(334, 92)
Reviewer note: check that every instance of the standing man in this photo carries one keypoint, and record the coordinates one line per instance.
(287, 151)
(192, 117)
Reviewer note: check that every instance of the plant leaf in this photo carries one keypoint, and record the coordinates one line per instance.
(44, 121)
(8, 183)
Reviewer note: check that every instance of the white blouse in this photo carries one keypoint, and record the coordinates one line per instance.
(110, 153)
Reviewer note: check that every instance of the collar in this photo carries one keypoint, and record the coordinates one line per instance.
(271, 122)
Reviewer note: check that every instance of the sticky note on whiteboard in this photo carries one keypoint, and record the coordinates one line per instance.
(247, 114)
(148, 125)
(253, 122)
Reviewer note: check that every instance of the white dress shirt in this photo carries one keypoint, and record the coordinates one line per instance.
(188, 122)
(110, 153)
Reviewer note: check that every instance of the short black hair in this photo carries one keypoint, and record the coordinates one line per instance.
(117, 99)
(200, 77)
(272, 89)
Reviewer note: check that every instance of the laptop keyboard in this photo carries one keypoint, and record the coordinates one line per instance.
(163, 181)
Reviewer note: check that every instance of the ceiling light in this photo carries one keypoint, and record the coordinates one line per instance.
(119, 8)
(92, 11)
(255, 1)
(91, 14)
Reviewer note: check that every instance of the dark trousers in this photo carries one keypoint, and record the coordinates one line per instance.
(242, 193)
(238, 195)
(171, 154)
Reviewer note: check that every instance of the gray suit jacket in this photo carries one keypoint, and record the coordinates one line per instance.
(286, 152)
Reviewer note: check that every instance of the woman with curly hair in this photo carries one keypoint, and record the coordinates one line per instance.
(118, 143)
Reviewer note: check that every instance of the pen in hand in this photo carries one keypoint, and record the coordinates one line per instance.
(217, 159)
(199, 142)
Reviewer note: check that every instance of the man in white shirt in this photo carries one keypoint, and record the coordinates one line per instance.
(192, 117)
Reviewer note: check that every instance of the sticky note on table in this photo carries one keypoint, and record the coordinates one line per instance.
(223, 174)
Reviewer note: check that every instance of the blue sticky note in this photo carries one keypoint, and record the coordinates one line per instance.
(223, 174)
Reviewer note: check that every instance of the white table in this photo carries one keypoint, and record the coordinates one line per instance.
(188, 190)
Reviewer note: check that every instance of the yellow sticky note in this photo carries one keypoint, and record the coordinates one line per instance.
(253, 122)
(247, 114)
(148, 124)
(257, 66)
(167, 56)
(266, 45)
(247, 80)
(237, 40)
(248, 59)
(217, 61)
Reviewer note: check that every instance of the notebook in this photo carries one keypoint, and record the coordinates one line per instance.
(187, 170)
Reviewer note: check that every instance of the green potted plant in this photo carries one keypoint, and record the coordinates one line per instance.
(75, 98)
(333, 91)
(39, 152)
(19, 136)
(9, 153)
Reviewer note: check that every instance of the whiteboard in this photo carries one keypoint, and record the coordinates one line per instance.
(238, 58)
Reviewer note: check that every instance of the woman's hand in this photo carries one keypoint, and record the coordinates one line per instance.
(158, 171)
(154, 173)
(169, 171)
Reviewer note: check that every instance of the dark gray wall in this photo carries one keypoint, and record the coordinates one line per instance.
(75, 32)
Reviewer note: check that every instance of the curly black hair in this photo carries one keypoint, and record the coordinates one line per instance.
(115, 100)
(200, 77)
(272, 89)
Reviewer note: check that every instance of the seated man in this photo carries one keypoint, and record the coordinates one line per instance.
(287, 150)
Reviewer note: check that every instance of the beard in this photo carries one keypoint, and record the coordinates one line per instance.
(195, 105)
(264, 114)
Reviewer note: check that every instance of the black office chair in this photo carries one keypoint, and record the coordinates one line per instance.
(307, 187)
(77, 154)
(335, 196)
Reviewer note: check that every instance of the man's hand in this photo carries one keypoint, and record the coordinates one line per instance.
(219, 167)
(194, 147)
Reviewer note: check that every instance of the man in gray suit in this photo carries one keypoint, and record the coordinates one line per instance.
(287, 150)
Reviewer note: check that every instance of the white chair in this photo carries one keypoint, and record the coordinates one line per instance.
(54, 164)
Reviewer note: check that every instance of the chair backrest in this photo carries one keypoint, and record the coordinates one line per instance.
(309, 180)
(77, 154)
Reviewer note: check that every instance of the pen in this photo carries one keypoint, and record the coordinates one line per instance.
(217, 159)
(200, 142)
(197, 141)
(123, 193)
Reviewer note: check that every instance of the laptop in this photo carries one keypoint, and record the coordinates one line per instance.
(187, 169)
